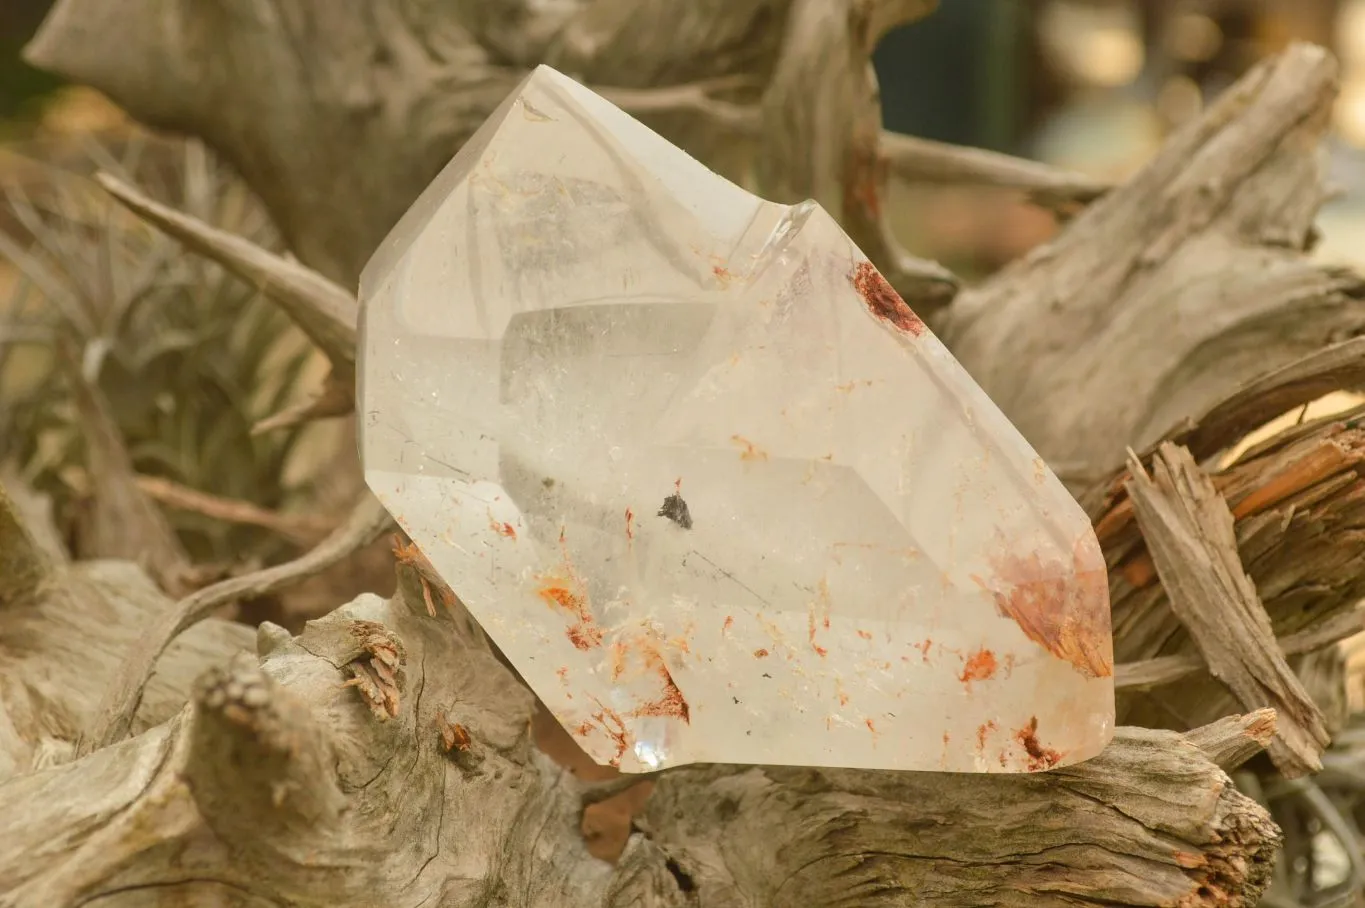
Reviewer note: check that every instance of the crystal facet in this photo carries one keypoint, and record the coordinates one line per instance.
(705, 478)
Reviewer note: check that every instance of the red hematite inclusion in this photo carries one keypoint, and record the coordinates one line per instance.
(883, 300)
(705, 479)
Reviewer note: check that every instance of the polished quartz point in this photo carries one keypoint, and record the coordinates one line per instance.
(706, 479)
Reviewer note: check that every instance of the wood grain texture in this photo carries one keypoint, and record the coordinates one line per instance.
(279, 785)
(1175, 289)
(1189, 532)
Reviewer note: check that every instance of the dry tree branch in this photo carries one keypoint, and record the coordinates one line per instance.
(908, 158)
(367, 522)
(1189, 531)
(1149, 673)
(743, 119)
(323, 310)
(925, 161)
(298, 528)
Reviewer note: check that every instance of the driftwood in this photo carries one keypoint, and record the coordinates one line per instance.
(1189, 531)
(1174, 290)
(383, 756)
(1298, 505)
(64, 631)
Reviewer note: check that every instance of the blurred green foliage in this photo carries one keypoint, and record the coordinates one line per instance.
(188, 356)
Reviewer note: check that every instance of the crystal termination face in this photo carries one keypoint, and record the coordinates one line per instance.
(706, 479)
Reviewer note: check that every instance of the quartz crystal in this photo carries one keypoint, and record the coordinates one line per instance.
(706, 479)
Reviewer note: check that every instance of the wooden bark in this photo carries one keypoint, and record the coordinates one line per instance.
(1298, 503)
(64, 631)
(1190, 534)
(283, 782)
(1174, 290)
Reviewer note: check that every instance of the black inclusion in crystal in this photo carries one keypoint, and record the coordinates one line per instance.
(675, 509)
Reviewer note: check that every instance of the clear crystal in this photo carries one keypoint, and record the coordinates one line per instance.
(707, 481)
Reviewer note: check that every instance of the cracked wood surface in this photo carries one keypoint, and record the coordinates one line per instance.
(446, 801)
(1189, 532)
(1298, 502)
(278, 784)
(1174, 289)
(64, 632)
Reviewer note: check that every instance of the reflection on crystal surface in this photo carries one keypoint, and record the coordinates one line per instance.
(704, 477)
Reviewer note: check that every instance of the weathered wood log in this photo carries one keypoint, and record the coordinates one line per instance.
(122, 699)
(287, 782)
(1175, 289)
(64, 632)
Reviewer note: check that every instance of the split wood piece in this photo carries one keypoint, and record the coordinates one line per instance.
(1175, 288)
(367, 522)
(1340, 367)
(1305, 459)
(1299, 504)
(281, 784)
(1189, 531)
(64, 631)
(1149, 673)
(1233, 740)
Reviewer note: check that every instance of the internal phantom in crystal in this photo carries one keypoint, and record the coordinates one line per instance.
(706, 479)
